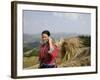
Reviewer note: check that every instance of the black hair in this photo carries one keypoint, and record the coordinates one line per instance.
(46, 32)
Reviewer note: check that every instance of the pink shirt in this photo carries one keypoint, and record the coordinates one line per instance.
(46, 57)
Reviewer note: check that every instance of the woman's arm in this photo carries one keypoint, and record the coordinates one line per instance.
(51, 45)
(53, 49)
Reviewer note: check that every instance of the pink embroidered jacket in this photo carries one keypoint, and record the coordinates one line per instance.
(45, 57)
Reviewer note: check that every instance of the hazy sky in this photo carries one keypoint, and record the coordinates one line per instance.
(37, 21)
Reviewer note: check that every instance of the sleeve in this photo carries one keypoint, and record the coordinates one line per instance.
(39, 54)
(55, 52)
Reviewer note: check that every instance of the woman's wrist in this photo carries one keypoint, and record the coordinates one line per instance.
(51, 50)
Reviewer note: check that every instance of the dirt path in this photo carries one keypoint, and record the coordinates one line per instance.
(29, 51)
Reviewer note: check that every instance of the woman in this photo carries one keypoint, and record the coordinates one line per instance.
(48, 51)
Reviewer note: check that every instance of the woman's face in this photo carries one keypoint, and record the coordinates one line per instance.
(44, 38)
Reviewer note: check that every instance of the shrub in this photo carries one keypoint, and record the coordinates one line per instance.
(86, 40)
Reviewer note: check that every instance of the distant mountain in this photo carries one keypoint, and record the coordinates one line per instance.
(36, 37)
(62, 35)
(31, 45)
(27, 38)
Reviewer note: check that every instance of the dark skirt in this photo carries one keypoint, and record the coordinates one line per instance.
(47, 66)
